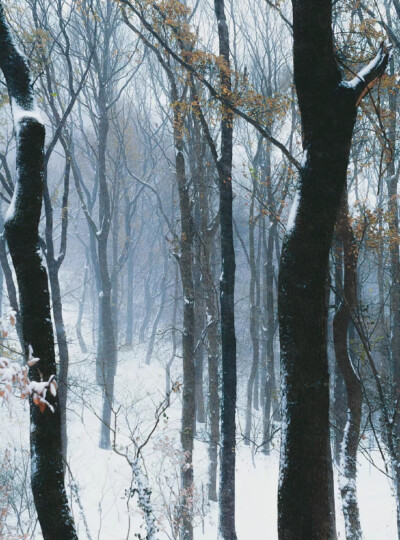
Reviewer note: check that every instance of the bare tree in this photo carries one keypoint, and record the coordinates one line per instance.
(22, 233)
(328, 106)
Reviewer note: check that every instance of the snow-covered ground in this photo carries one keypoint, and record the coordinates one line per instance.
(100, 479)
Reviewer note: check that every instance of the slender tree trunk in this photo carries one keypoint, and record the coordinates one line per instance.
(270, 387)
(129, 301)
(213, 403)
(212, 316)
(11, 289)
(173, 352)
(339, 393)
(53, 265)
(115, 272)
(256, 387)
(149, 303)
(212, 353)
(22, 225)
(199, 338)
(254, 313)
(82, 299)
(341, 324)
(266, 407)
(227, 527)
(189, 372)
(160, 310)
(62, 350)
(393, 206)
(108, 360)
(1, 268)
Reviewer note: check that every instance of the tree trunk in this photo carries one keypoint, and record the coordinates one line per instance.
(173, 337)
(62, 350)
(189, 372)
(129, 302)
(11, 290)
(393, 207)
(341, 322)
(53, 265)
(212, 349)
(328, 110)
(199, 328)
(1, 268)
(78, 325)
(149, 303)
(270, 386)
(108, 360)
(227, 527)
(22, 224)
(254, 315)
(163, 286)
(339, 392)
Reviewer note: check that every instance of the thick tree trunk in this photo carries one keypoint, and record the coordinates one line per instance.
(328, 110)
(22, 224)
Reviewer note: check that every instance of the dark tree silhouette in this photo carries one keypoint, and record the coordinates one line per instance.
(227, 290)
(21, 226)
(328, 106)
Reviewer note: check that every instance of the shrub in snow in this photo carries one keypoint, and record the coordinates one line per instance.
(14, 380)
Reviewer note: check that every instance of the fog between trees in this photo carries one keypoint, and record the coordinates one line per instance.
(199, 269)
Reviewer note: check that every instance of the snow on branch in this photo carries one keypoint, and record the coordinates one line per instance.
(15, 68)
(369, 74)
(16, 71)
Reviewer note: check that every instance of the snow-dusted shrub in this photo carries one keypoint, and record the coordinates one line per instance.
(14, 379)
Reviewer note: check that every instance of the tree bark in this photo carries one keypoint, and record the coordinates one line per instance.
(108, 359)
(163, 286)
(129, 302)
(189, 372)
(53, 265)
(394, 257)
(82, 299)
(254, 319)
(339, 391)
(211, 303)
(227, 527)
(270, 390)
(22, 224)
(11, 290)
(341, 322)
(328, 111)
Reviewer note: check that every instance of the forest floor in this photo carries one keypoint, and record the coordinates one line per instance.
(102, 478)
